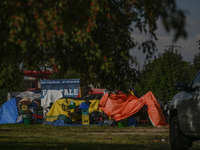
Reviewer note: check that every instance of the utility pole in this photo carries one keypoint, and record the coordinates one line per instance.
(172, 47)
(139, 67)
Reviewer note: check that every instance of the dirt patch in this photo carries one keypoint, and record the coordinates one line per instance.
(133, 131)
(146, 131)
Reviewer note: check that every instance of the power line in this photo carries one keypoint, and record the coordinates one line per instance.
(188, 47)
(172, 47)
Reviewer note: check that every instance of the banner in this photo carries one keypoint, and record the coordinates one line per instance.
(69, 87)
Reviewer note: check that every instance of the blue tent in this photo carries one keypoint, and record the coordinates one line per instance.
(9, 112)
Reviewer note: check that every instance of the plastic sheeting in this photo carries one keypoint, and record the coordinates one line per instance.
(51, 96)
(119, 107)
(57, 109)
(62, 123)
(30, 94)
(9, 112)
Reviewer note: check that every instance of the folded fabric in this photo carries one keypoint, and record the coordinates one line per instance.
(64, 118)
(59, 123)
(84, 106)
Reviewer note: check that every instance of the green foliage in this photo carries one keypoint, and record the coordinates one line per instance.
(161, 75)
(70, 74)
(63, 74)
(196, 62)
(11, 80)
(92, 37)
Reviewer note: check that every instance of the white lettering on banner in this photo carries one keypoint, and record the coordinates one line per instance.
(65, 92)
(55, 82)
(70, 92)
(44, 92)
(43, 82)
(75, 91)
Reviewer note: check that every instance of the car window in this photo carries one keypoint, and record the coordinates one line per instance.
(196, 82)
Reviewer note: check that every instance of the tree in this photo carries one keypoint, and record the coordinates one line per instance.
(196, 62)
(11, 80)
(161, 75)
(91, 37)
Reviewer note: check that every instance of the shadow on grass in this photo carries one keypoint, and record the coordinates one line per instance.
(78, 146)
(4, 130)
(10, 137)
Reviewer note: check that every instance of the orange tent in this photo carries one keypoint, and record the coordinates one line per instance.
(123, 106)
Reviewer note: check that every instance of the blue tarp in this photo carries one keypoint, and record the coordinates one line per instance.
(84, 106)
(8, 112)
(62, 123)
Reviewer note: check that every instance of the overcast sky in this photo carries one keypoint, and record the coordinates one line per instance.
(188, 47)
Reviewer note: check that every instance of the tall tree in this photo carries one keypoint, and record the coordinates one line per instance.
(196, 62)
(11, 80)
(161, 75)
(92, 37)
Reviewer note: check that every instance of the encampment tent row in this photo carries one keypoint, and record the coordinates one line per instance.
(93, 109)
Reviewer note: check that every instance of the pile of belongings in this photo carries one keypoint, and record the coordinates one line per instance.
(73, 109)
(22, 107)
(30, 110)
(25, 104)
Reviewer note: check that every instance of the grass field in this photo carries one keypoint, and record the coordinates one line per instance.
(47, 137)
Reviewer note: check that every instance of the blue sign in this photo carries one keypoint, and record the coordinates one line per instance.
(69, 87)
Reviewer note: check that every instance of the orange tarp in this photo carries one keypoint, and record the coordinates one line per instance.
(119, 107)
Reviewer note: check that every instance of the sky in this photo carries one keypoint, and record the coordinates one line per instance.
(188, 47)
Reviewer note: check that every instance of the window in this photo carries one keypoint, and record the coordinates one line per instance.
(196, 82)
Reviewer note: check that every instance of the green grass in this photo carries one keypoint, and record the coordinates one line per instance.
(47, 137)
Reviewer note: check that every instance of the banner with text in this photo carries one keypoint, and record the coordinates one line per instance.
(69, 87)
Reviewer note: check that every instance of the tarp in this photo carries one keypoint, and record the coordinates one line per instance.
(30, 94)
(51, 96)
(119, 107)
(57, 109)
(9, 112)
(62, 123)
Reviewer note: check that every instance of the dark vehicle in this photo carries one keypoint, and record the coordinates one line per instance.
(184, 115)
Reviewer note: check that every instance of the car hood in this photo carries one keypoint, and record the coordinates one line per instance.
(178, 97)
